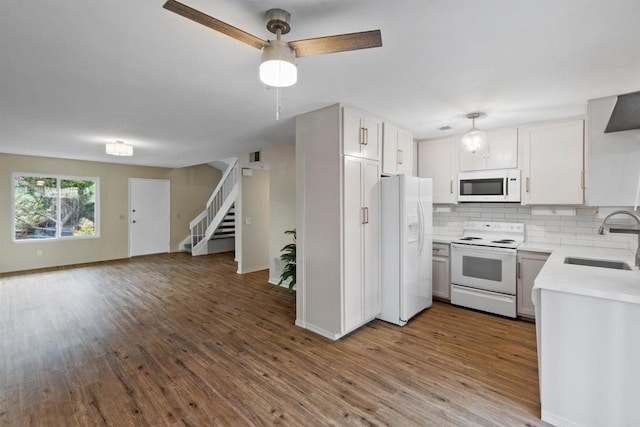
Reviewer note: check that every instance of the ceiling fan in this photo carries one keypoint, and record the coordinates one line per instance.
(277, 67)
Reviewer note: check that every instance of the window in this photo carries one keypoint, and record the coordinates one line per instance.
(54, 207)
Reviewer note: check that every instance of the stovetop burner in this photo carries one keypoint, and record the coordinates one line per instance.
(492, 234)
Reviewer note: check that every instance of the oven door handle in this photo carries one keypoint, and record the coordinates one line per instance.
(483, 249)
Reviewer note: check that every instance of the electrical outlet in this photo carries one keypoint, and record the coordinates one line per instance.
(247, 220)
(39, 252)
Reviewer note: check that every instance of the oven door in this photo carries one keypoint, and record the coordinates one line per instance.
(482, 267)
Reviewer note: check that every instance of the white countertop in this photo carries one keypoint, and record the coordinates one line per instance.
(444, 239)
(538, 247)
(619, 285)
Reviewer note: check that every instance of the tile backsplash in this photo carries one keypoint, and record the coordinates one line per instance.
(580, 229)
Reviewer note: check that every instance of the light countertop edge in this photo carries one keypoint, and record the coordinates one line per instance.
(618, 285)
(444, 238)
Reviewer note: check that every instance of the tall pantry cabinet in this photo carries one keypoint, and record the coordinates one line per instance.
(338, 258)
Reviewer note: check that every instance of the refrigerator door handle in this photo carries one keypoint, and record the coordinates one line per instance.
(420, 227)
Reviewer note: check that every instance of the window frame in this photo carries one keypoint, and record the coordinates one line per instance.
(59, 179)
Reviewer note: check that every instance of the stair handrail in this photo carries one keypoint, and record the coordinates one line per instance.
(230, 171)
(199, 225)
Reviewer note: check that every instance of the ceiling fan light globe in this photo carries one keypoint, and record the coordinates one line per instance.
(278, 65)
(278, 73)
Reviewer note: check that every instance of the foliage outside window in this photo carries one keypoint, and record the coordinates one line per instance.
(54, 207)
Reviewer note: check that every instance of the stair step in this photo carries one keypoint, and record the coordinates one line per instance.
(224, 232)
(222, 236)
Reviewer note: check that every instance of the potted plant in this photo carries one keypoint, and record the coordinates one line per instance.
(289, 257)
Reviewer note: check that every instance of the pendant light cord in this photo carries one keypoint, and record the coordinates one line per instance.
(278, 103)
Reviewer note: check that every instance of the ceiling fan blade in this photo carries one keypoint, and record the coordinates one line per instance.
(215, 24)
(338, 43)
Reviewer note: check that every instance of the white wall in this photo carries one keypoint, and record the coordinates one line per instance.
(279, 162)
(580, 229)
(282, 201)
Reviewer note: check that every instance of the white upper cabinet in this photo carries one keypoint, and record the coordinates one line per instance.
(362, 134)
(397, 150)
(551, 159)
(501, 152)
(438, 160)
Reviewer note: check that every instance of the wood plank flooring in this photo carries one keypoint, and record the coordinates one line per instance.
(178, 340)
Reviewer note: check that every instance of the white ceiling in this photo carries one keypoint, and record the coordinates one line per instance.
(75, 74)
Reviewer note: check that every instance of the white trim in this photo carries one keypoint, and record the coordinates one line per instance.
(253, 270)
(332, 336)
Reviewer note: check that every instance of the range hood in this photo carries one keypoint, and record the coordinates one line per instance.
(626, 113)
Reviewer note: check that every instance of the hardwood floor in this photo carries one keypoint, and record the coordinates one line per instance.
(179, 340)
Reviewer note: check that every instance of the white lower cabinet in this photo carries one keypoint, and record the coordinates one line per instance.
(361, 250)
(338, 227)
(552, 162)
(528, 267)
(441, 271)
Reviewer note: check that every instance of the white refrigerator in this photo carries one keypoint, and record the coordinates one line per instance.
(406, 238)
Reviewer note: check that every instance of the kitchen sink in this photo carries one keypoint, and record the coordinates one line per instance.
(616, 265)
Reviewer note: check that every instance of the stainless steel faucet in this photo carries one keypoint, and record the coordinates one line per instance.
(624, 229)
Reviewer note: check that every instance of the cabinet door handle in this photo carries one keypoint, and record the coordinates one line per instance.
(365, 215)
(582, 180)
(364, 136)
(451, 187)
(527, 185)
(518, 268)
(399, 157)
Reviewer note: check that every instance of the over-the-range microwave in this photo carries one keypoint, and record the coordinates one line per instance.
(499, 185)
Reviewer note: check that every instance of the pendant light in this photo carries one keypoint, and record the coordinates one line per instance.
(474, 141)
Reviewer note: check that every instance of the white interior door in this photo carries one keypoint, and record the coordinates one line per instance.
(149, 216)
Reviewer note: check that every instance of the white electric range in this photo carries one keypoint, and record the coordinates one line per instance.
(483, 266)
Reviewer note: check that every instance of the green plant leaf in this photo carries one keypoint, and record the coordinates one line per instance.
(288, 255)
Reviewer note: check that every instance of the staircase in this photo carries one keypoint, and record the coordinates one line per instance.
(217, 221)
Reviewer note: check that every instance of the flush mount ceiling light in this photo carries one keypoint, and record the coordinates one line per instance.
(474, 141)
(119, 148)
